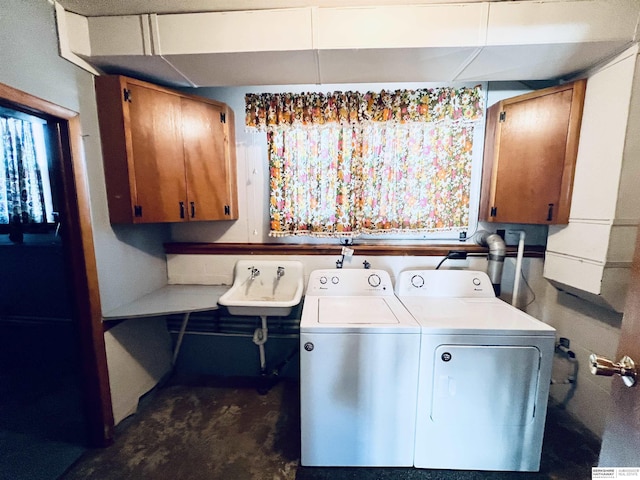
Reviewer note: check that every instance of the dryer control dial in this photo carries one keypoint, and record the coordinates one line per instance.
(374, 280)
(335, 280)
(323, 280)
(417, 281)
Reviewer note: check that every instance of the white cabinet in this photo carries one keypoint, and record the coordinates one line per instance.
(591, 256)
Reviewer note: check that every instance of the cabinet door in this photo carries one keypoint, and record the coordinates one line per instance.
(206, 166)
(530, 153)
(531, 159)
(155, 127)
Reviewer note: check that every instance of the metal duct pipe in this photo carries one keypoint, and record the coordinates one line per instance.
(497, 252)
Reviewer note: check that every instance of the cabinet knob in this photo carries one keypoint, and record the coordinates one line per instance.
(193, 209)
(550, 213)
(181, 209)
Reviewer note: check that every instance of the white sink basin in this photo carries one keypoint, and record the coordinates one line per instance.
(266, 293)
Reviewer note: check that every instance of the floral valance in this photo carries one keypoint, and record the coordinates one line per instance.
(432, 105)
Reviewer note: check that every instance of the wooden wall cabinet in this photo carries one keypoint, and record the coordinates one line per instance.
(531, 143)
(168, 156)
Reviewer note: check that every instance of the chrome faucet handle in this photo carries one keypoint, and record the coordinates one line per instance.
(280, 272)
(254, 272)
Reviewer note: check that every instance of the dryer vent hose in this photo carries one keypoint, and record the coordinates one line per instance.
(497, 252)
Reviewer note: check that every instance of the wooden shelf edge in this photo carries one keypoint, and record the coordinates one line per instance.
(192, 248)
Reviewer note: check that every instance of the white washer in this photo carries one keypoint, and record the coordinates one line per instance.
(359, 352)
(485, 370)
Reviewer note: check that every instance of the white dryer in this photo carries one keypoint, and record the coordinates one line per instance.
(359, 352)
(485, 370)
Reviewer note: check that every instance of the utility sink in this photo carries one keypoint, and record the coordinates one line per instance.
(264, 288)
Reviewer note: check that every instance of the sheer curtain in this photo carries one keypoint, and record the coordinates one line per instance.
(21, 190)
(345, 164)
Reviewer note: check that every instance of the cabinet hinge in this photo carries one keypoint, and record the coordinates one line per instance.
(223, 117)
(503, 116)
(126, 95)
(494, 211)
(137, 210)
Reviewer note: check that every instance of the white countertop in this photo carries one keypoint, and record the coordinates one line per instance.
(170, 299)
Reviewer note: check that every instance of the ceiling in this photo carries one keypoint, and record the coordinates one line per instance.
(96, 8)
(200, 43)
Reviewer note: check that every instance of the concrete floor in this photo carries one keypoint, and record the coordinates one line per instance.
(208, 428)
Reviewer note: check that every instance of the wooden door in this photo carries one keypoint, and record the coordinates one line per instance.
(533, 136)
(157, 155)
(621, 439)
(205, 160)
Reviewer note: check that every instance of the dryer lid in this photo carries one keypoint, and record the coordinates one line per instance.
(473, 317)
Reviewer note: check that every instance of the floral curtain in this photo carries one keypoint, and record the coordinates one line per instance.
(343, 164)
(21, 192)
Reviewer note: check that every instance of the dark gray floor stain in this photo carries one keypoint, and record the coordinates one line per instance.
(208, 428)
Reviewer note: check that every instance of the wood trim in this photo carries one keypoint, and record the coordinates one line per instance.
(490, 162)
(332, 249)
(33, 104)
(153, 86)
(86, 288)
(571, 151)
(116, 147)
(79, 252)
(538, 93)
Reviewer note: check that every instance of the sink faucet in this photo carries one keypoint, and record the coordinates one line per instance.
(280, 272)
(254, 273)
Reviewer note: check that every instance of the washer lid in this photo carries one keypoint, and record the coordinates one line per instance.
(467, 316)
(356, 314)
(346, 310)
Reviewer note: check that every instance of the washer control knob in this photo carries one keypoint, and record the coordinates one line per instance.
(476, 281)
(374, 280)
(335, 280)
(417, 281)
(323, 280)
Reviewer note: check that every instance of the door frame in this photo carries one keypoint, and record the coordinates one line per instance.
(80, 254)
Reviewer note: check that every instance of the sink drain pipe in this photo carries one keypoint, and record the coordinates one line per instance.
(260, 337)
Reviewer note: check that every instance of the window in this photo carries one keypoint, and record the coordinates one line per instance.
(25, 189)
(347, 163)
